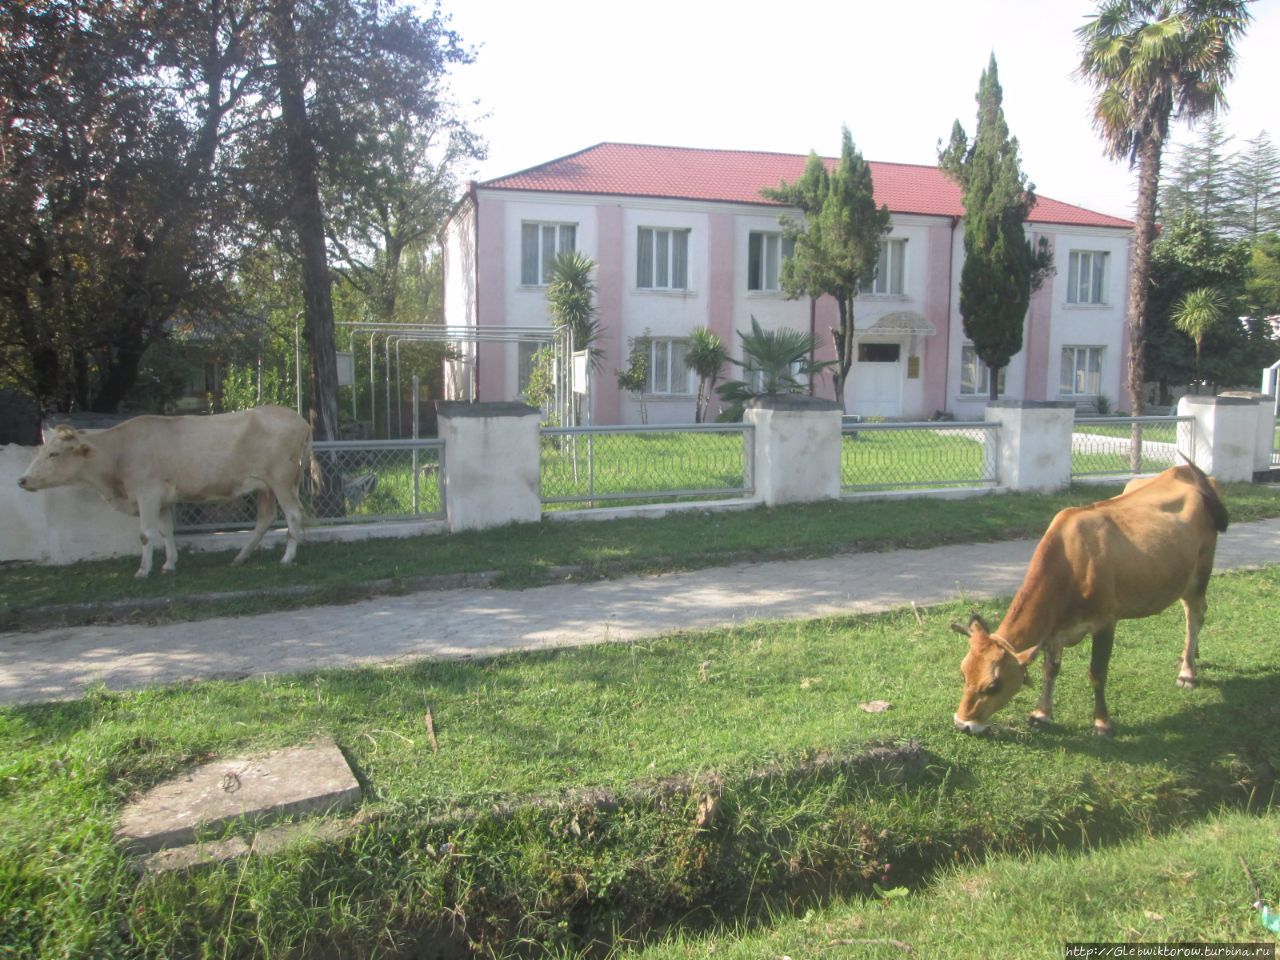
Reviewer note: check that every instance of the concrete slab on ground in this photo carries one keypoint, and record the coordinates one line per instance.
(311, 779)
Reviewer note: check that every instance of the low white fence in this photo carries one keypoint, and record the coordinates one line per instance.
(493, 465)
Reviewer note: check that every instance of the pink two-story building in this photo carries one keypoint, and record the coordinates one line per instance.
(682, 238)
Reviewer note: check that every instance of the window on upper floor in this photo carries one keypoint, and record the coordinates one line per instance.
(765, 253)
(662, 259)
(668, 373)
(539, 244)
(975, 376)
(1081, 372)
(1087, 277)
(891, 269)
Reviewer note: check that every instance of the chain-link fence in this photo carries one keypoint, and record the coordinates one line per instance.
(366, 481)
(902, 456)
(1126, 446)
(603, 466)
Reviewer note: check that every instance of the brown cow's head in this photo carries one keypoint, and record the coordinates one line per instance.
(993, 673)
(59, 461)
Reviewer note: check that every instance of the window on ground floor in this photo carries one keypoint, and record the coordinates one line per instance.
(975, 375)
(668, 373)
(1081, 372)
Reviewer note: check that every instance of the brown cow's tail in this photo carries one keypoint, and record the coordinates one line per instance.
(1212, 502)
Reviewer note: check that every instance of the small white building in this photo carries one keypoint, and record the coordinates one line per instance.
(682, 238)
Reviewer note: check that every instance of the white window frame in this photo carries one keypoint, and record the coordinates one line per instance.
(891, 270)
(666, 356)
(548, 239)
(662, 258)
(1087, 274)
(774, 248)
(975, 376)
(1093, 357)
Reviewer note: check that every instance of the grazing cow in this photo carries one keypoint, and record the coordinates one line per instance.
(1119, 559)
(145, 465)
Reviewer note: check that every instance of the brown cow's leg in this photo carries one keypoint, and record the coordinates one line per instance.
(1194, 607)
(1099, 659)
(1042, 715)
(266, 513)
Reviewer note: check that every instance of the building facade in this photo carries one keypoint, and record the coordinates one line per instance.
(682, 238)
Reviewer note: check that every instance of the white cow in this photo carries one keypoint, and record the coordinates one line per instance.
(146, 465)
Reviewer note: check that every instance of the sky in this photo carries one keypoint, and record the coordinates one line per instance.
(552, 77)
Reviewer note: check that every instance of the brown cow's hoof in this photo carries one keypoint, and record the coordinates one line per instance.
(1103, 730)
(1039, 721)
(1187, 683)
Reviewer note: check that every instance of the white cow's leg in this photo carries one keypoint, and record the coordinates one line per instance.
(266, 513)
(149, 524)
(1042, 715)
(170, 545)
(1194, 607)
(292, 508)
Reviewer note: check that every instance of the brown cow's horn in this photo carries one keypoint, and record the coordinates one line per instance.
(963, 631)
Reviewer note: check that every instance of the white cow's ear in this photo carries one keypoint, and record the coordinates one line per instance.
(1026, 656)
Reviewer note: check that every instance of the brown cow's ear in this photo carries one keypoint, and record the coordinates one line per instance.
(963, 631)
(1027, 655)
(977, 618)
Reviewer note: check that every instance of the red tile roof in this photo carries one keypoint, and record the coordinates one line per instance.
(736, 176)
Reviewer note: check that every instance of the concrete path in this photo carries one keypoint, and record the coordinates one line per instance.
(58, 664)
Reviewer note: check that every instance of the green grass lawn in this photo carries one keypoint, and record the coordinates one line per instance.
(487, 842)
(1186, 886)
(524, 554)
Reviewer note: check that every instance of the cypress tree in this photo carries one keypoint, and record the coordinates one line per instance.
(1000, 267)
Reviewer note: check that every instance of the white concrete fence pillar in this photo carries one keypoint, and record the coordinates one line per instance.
(492, 473)
(1226, 435)
(1033, 452)
(1264, 425)
(797, 448)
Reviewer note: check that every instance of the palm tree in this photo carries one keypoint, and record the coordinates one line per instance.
(1150, 61)
(570, 299)
(570, 296)
(706, 356)
(1197, 313)
(775, 360)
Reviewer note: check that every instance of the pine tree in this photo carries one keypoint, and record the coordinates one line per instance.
(1255, 180)
(1000, 267)
(1199, 179)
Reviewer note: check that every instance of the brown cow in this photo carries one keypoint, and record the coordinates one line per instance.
(145, 465)
(1119, 559)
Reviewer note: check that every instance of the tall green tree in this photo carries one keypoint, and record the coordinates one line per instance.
(1255, 180)
(837, 240)
(1148, 62)
(571, 302)
(1198, 178)
(1191, 255)
(706, 357)
(1001, 268)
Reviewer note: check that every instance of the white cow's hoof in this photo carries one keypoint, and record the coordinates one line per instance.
(1186, 682)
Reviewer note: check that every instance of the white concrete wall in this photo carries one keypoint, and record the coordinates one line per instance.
(1226, 435)
(60, 525)
(492, 464)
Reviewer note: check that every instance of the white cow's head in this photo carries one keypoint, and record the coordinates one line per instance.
(60, 461)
